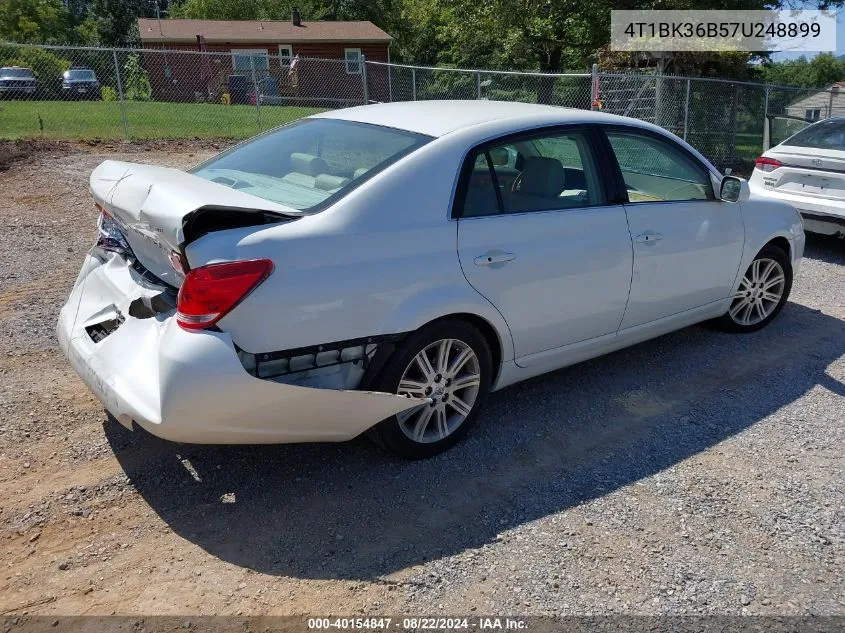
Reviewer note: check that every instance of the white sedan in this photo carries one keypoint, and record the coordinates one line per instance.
(383, 268)
(807, 170)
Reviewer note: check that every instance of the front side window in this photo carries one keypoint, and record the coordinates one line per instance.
(654, 170)
(311, 163)
(827, 134)
(249, 59)
(540, 173)
(352, 57)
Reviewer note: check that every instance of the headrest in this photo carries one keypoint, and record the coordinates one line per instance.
(500, 156)
(308, 164)
(328, 182)
(543, 176)
(360, 172)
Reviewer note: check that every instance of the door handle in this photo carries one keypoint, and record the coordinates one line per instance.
(649, 237)
(494, 257)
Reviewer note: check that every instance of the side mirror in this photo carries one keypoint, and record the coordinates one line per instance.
(734, 189)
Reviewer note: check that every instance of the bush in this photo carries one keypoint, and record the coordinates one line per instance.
(138, 86)
(107, 93)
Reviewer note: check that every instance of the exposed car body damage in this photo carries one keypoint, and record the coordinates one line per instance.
(143, 370)
(118, 330)
(336, 365)
(159, 205)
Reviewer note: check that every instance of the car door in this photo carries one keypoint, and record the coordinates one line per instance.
(687, 243)
(544, 246)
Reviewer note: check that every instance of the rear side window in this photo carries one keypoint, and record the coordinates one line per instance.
(546, 172)
(311, 163)
(655, 170)
(828, 134)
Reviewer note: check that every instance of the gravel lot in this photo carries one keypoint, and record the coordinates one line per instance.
(697, 473)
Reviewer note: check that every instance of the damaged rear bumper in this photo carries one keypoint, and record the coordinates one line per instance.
(190, 386)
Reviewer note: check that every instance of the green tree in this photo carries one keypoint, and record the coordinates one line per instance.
(36, 21)
(822, 70)
(137, 80)
(117, 20)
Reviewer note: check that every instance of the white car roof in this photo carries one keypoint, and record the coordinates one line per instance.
(437, 118)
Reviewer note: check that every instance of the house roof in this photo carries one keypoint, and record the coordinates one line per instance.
(258, 31)
(820, 99)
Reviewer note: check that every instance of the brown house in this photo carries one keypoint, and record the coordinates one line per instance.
(290, 62)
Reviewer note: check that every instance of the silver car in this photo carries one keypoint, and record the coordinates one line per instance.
(381, 269)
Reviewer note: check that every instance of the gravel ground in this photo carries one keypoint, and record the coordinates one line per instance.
(700, 473)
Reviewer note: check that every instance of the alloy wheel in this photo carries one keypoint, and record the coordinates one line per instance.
(759, 292)
(449, 374)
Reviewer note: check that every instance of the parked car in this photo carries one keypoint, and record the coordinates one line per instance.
(17, 82)
(80, 83)
(807, 170)
(383, 268)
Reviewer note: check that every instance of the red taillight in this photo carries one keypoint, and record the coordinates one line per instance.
(210, 292)
(765, 163)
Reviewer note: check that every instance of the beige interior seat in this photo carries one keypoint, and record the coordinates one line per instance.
(330, 183)
(543, 179)
(305, 168)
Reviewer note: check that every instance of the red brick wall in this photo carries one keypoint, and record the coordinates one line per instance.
(312, 79)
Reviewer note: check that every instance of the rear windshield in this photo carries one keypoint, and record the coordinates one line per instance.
(86, 75)
(309, 164)
(20, 73)
(828, 134)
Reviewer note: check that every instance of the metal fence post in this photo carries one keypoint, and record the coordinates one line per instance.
(255, 88)
(478, 84)
(414, 84)
(830, 105)
(594, 88)
(766, 127)
(364, 80)
(686, 111)
(120, 96)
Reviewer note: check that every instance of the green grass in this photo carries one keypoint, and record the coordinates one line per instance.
(102, 119)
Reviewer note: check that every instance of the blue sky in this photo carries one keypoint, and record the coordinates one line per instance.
(840, 41)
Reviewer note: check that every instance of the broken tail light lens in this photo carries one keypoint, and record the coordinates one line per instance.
(764, 163)
(210, 292)
(110, 234)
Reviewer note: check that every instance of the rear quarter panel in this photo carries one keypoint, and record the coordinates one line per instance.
(382, 260)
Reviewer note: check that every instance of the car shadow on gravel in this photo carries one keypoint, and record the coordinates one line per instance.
(825, 248)
(545, 445)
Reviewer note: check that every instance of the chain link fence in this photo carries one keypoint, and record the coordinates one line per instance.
(89, 93)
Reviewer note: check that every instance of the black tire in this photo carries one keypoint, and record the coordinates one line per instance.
(770, 252)
(388, 434)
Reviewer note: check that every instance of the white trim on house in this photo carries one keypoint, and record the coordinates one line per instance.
(353, 64)
(286, 57)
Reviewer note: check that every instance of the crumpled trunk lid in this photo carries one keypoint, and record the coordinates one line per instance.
(152, 205)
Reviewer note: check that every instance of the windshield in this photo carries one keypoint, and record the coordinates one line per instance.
(85, 75)
(20, 73)
(828, 134)
(309, 164)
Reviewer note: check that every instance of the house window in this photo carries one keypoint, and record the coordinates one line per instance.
(352, 56)
(245, 59)
(285, 55)
(813, 115)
